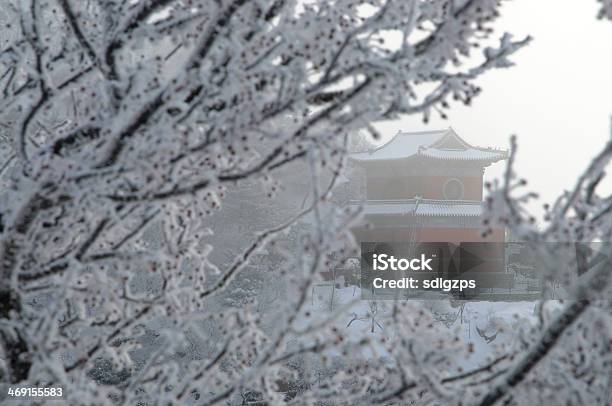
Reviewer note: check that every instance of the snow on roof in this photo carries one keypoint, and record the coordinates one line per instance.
(469, 154)
(439, 144)
(422, 207)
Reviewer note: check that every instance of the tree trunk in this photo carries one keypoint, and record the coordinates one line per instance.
(12, 344)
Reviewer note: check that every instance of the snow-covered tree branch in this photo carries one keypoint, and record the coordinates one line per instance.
(126, 122)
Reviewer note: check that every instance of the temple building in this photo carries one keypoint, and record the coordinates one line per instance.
(424, 186)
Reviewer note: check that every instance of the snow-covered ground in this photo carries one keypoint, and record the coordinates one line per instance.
(482, 325)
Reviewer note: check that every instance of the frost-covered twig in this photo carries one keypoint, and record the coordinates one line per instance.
(105, 213)
(537, 352)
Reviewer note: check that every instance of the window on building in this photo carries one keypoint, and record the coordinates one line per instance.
(453, 189)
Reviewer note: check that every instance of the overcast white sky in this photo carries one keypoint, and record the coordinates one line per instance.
(557, 99)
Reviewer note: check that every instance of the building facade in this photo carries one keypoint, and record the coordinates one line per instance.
(425, 186)
(424, 190)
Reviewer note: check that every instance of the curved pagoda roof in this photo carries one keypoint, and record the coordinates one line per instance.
(440, 145)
